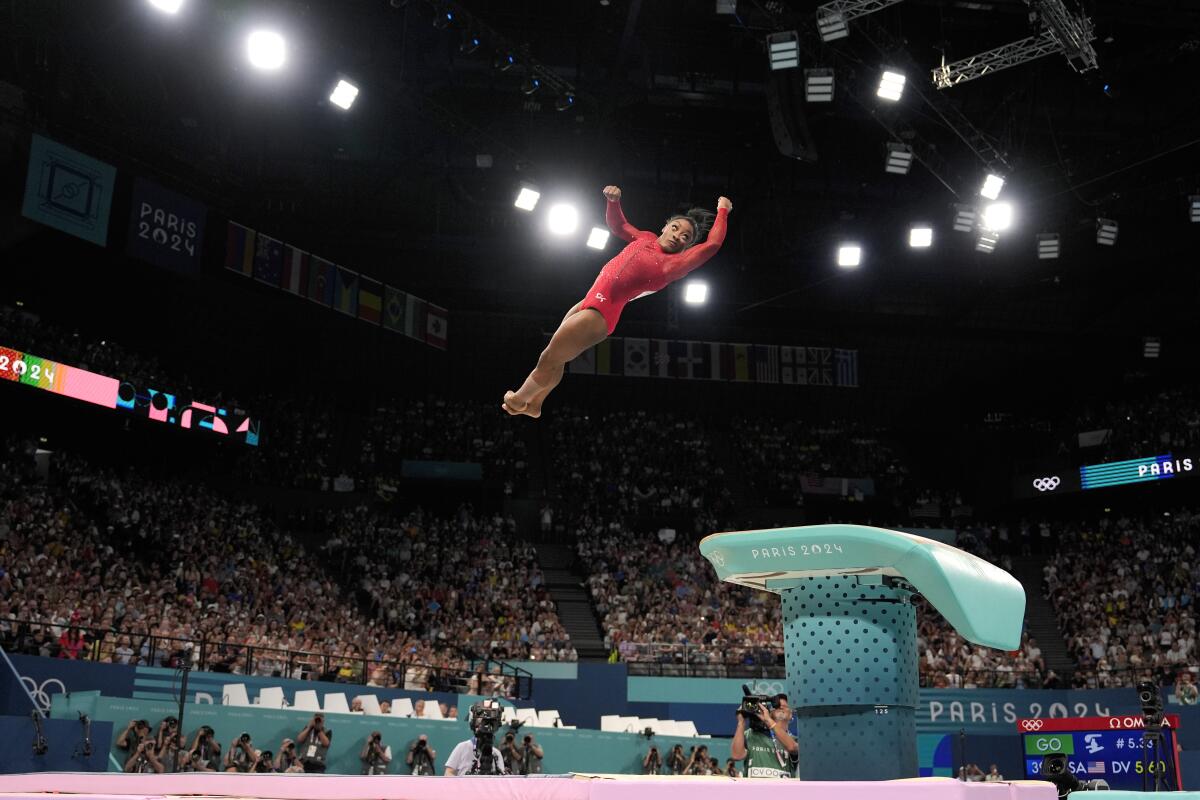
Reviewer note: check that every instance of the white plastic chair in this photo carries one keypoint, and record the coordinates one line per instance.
(370, 704)
(335, 703)
(402, 707)
(271, 697)
(306, 700)
(234, 694)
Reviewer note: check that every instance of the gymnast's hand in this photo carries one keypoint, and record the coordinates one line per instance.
(612, 193)
(722, 202)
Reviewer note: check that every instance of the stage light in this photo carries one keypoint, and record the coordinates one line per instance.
(1048, 245)
(266, 50)
(1106, 232)
(344, 94)
(818, 85)
(726, 6)
(1151, 347)
(784, 50)
(891, 85)
(849, 255)
(986, 242)
(562, 219)
(1194, 201)
(597, 239)
(564, 101)
(530, 85)
(832, 25)
(169, 6)
(992, 185)
(998, 217)
(695, 292)
(469, 43)
(504, 61)
(527, 198)
(965, 217)
(920, 237)
(899, 158)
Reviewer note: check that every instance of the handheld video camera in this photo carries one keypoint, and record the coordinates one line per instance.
(749, 708)
(485, 718)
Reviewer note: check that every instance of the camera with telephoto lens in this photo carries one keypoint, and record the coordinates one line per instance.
(244, 738)
(485, 719)
(749, 708)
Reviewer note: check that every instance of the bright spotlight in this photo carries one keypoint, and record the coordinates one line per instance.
(849, 255)
(818, 85)
(266, 50)
(965, 217)
(1048, 245)
(899, 158)
(991, 187)
(597, 239)
(562, 219)
(998, 217)
(527, 198)
(1106, 232)
(344, 94)
(920, 236)
(695, 292)
(891, 85)
(169, 6)
(784, 50)
(986, 242)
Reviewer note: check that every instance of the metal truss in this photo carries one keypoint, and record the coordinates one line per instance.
(1061, 33)
(852, 9)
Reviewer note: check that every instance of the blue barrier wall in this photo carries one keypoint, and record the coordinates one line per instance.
(64, 738)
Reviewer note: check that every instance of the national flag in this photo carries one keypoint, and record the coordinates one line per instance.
(767, 363)
(637, 358)
(295, 270)
(741, 362)
(846, 367)
(610, 356)
(584, 363)
(345, 291)
(239, 249)
(819, 372)
(393, 309)
(436, 327)
(370, 300)
(268, 260)
(1095, 768)
(661, 362)
(321, 279)
(726, 359)
(714, 371)
(688, 361)
(415, 324)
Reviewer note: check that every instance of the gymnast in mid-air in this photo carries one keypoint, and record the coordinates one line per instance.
(648, 263)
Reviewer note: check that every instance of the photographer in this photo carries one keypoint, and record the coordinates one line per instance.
(375, 755)
(143, 758)
(193, 763)
(762, 738)
(288, 760)
(731, 769)
(205, 753)
(531, 756)
(698, 764)
(471, 757)
(264, 763)
(677, 761)
(135, 732)
(241, 756)
(313, 744)
(421, 757)
(652, 763)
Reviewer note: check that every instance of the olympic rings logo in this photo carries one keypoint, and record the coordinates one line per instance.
(1046, 484)
(39, 693)
(717, 558)
(1031, 724)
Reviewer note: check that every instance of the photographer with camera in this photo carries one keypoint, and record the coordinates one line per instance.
(375, 755)
(698, 764)
(265, 762)
(676, 760)
(205, 752)
(762, 738)
(288, 760)
(652, 763)
(313, 744)
(135, 732)
(144, 758)
(241, 756)
(478, 755)
(530, 756)
(421, 757)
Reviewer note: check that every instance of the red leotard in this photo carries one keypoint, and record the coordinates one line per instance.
(642, 267)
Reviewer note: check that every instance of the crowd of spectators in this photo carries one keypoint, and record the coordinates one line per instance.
(1123, 589)
(1151, 422)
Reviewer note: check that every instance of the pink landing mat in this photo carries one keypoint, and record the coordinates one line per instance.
(118, 786)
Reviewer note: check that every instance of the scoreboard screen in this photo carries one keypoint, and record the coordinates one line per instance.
(1095, 751)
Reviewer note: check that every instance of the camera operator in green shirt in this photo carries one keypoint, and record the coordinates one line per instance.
(762, 738)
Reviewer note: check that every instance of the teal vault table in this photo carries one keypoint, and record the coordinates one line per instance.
(850, 634)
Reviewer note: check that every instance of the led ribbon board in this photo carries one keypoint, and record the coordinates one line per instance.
(1135, 470)
(91, 387)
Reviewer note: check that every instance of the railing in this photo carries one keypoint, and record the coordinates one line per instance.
(701, 661)
(483, 676)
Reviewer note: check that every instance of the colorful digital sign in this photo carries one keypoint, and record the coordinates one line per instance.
(1103, 476)
(91, 387)
(1102, 747)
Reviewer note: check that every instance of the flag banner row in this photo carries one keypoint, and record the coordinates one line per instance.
(265, 259)
(720, 361)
